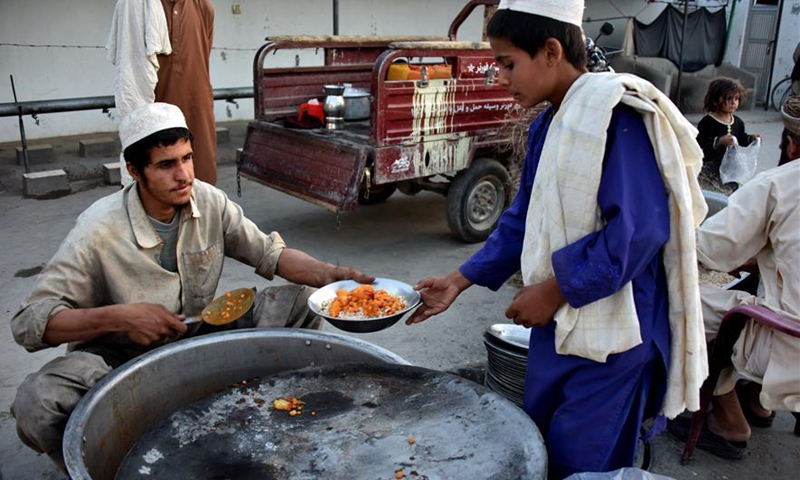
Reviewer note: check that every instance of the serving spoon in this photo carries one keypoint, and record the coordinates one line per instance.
(227, 308)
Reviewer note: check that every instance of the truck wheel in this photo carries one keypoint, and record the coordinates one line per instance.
(377, 194)
(476, 198)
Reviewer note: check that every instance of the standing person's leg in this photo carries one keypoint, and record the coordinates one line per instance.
(590, 413)
(200, 120)
(46, 398)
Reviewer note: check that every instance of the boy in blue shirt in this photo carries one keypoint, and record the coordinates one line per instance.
(601, 353)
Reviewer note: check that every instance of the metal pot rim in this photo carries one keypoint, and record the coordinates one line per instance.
(73, 435)
(355, 93)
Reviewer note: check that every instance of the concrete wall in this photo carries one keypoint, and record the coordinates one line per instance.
(42, 73)
(788, 39)
(65, 71)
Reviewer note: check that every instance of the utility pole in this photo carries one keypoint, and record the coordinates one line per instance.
(680, 57)
(336, 17)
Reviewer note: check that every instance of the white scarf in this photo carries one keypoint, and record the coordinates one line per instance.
(563, 209)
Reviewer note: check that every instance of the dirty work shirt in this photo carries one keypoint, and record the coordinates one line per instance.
(112, 254)
(761, 221)
(590, 413)
(184, 79)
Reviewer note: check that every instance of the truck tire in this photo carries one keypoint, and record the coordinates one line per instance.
(377, 194)
(476, 198)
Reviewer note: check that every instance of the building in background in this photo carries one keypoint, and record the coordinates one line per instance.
(54, 49)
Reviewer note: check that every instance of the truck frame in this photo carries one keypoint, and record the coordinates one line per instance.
(437, 134)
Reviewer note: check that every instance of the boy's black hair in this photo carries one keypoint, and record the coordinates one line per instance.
(529, 32)
(138, 154)
(720, 89)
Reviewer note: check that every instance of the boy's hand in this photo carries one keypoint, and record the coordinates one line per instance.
(437, 294)
(535, 305)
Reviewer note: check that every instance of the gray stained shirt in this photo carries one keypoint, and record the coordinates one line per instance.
(112, 254)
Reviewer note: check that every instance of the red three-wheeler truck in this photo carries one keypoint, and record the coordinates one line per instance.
(433, 122)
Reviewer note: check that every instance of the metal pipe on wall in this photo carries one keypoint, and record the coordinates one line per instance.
(96, 103)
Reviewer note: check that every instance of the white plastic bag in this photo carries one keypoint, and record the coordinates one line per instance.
(739, 163)
(621, 474)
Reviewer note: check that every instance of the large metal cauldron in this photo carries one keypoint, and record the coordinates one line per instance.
(359, 421)
(134, 398)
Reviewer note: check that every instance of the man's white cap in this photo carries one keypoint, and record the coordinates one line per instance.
(567, 11)
(147, 120)
(791, 114)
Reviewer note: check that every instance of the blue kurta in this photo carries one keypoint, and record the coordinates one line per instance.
(590, 413)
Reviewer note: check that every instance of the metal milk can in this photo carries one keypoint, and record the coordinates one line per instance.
(333, 106)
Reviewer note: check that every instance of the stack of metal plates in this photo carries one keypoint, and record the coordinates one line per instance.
(507, 349)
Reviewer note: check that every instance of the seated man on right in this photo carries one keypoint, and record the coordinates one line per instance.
(760, 225)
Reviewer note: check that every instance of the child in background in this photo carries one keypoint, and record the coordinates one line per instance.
(718, 128)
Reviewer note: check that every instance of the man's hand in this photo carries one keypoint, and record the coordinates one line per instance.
(437, 294)
(535, 305)
(143, 323)
(148, 323)
(303, 269)
(347, 273)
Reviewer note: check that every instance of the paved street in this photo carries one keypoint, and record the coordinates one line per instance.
(406, 238)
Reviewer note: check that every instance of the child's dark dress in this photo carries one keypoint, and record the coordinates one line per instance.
(708, 131)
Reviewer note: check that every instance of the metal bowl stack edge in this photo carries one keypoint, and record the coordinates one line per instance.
(507, 353)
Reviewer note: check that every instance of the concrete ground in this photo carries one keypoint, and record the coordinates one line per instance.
(406, 238)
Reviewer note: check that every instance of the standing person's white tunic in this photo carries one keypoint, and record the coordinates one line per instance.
(761, 221)
(138, 34)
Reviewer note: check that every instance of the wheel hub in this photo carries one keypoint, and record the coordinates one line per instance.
(485, 204)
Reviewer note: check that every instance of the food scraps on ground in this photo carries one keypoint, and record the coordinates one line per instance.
(292, 404)
(363, 302)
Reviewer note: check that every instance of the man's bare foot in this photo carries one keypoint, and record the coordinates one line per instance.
(726, 418)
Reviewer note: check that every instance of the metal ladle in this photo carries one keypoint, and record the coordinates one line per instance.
(227, 308)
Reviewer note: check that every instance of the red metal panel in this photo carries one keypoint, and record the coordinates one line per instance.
(284, 89)
(471, 105)
(474, 66)
(351, 56)
(427, 130)
(306, 166)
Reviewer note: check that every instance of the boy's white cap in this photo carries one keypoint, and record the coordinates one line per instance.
(791, 114)
(567, 11)
(148, 120)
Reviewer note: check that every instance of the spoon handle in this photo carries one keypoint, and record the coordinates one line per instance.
(191, 320)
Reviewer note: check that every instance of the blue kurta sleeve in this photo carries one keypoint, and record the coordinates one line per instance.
(633, 202)
(499, 258)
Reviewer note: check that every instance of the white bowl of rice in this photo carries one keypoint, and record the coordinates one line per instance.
(357, 321)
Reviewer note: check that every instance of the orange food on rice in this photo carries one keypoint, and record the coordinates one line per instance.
(364, 302)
